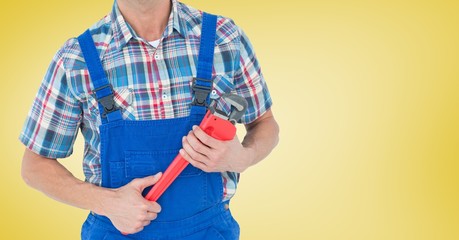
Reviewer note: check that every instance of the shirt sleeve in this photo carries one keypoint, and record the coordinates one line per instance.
(250, 83)
(51, 126)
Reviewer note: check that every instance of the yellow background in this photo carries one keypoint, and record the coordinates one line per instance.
(365, 92)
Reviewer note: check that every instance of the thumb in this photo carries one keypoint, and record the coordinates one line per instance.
(142, 183)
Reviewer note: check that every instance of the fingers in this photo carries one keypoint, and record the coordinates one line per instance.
(151, 216)
(191, 151)
(144, 220)
(196, 144)
(193, 162)
(152, 207)
(199, 149)
(142, 183)
(204, 138)
(137, 212)
(138, 229)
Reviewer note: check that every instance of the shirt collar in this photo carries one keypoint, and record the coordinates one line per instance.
(123, 32)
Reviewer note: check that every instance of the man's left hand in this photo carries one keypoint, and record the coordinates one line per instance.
(212, 155)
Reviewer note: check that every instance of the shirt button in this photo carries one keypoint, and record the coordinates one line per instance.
(164, 96)
(157, 56)
(214, 92)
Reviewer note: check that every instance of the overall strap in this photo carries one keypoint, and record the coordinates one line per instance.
(103, 89)
(202, 83)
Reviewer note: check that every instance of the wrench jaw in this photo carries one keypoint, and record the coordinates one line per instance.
(238, 108)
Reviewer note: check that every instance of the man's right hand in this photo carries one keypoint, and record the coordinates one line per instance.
(128, 210)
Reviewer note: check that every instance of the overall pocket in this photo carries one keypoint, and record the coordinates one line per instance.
(141, 164)
(206, 234)
(185, 197)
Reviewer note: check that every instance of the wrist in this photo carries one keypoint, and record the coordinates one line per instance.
(101, 197)
(250, 154)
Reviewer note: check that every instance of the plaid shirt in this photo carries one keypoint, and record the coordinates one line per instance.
(150, 83)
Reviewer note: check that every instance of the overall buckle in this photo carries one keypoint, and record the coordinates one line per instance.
(201, 92)
(107, 102)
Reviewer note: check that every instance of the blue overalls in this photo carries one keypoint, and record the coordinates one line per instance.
(192, 206)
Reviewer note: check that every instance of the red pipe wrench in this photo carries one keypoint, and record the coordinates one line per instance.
(216, 124)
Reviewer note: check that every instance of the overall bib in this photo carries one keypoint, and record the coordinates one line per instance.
(192, 206)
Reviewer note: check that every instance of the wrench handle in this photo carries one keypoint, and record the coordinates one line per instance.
(215, 127)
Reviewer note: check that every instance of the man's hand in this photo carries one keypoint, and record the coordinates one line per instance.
(128, 210)
(212, 155)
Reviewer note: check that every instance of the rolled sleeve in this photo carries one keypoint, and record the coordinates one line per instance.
(250, 83)
(51, 126)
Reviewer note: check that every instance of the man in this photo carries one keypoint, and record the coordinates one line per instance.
(127, 83)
